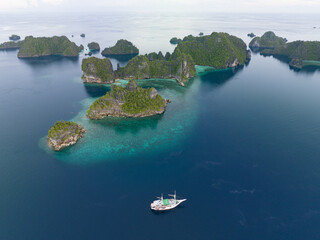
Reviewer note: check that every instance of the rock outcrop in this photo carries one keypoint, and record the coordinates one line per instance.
(64, 134)
(131, 101)
(48, 46)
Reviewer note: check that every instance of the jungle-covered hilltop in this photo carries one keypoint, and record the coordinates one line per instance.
(269, 40)
(122, 49)
(129, 101)
(48, 46)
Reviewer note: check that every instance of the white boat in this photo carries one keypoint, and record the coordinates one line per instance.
(166, 204)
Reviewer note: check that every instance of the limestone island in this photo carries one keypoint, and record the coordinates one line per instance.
(175, 40)
(14, 37)
(269, 40)
(63, 134)
(298, 54)
(201, 34)
(123, 50)
(218, 50)
(48, 46)
(129, 101)
(11, 45)
(252, 35)
(179, 67)
(94, 47)
(82, 35)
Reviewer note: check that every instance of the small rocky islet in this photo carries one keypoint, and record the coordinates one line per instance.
(64, 134)
(94, 47)
(14, 37)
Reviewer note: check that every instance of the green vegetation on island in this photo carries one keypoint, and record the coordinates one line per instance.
(269, 40)
(175, 40)
(122, 48)
(11, 45)
(179, 67)
(218, 50)
(129, 101)
(14, 37)
(97, 70)
(48, 46)
(63, 134)
(94, 47)
(297, 53)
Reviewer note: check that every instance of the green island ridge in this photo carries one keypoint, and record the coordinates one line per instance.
(11, 45)
(179, 67)
(48, 46)
(14, 37)
(298, 53)
(63, 134)
(129, 101)
(269, 40)
(218, 50)
(175, 40)
(122, 48)
(94, 47)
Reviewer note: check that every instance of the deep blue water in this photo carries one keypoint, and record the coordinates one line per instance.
(242, 146)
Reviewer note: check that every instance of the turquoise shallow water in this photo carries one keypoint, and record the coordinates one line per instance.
(113, 138)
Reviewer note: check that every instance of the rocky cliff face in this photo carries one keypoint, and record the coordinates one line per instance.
(130, 101)
(97, 70)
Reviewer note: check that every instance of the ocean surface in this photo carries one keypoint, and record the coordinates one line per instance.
(242, 146)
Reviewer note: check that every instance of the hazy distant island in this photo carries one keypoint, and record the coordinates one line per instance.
(129, 101)
(11, 45)
(94, 47)
(123, 50)
(252, 35)
(14, 37)
(175, 40)
(48, 46)
(298, 53)
(82, 35)
(269, 40)
(63, 134)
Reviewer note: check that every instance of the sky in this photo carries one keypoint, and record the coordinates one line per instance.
(250, 6)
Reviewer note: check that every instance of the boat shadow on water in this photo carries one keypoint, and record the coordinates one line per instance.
(178, 208)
